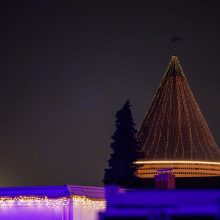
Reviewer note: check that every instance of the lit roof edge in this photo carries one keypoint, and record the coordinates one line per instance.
(178, 162)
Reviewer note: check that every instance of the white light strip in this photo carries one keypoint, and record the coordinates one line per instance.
(177, 162)
(33, 201)
(83, 201)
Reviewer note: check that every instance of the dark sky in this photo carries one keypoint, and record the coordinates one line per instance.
(67, 67)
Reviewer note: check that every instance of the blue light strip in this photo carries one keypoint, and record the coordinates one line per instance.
(40, 191)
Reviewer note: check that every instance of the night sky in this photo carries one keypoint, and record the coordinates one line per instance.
(67, 66)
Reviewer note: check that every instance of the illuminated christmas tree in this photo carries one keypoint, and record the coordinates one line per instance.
(174, 133)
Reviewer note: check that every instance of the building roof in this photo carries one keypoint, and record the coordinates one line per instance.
(174, 127)
(90, 192)
(39, 191)
(54, 191)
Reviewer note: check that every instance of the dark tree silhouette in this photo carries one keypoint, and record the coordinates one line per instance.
(121, 170)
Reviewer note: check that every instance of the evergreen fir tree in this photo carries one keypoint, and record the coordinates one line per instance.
(122, 170)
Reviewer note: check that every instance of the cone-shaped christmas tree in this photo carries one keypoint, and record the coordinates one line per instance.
(174, 133)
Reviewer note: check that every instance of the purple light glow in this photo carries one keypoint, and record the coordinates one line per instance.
(161, 204)
(51, 203)
(40, 191)
(33, 213)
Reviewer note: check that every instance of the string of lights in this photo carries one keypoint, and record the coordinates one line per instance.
(82, 201)
(31, 201)
(174, 132)
(174, 127)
